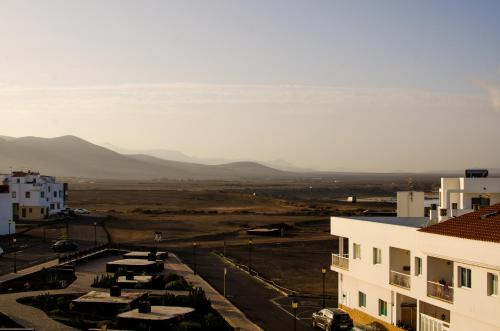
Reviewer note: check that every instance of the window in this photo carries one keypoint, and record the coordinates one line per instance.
(454, 205)
(418, 266)
(58, 205)
(14, 194)
(356, 248)
(30, 210)
(42, 210)
(382, 308)
(465, 277)
(27, 195)
(492, 284)
(55, 194)
(361, 299)
(377, 255)
(51, 206)
(42, 194)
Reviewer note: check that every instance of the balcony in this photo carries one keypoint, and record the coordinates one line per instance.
(340, 261)
(400, 279)
(440, 291)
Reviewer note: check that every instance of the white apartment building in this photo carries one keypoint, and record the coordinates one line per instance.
(462, 195)
(6, 224)
(34, 196)
(404, 271)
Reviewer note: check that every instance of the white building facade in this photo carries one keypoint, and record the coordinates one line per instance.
(401, 271)
(462, 195)
(6, 224)
(34, 196)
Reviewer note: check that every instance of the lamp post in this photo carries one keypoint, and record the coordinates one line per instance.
(295, 306)
(194, 258)
(10, 243)
(95, 234)
(15, 255)
(250, 256)
(323, 271)
(225, 274)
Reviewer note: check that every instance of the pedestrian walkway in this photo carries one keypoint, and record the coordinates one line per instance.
(227, 310)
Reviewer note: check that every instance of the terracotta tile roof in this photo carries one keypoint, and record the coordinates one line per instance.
(483, 225)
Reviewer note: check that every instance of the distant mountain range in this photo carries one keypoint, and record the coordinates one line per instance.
(173, 155)
(70, 156)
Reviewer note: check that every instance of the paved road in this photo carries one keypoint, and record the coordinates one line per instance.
(261, 303)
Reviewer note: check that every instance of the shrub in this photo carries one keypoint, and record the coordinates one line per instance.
(104, 281)
(189, 326)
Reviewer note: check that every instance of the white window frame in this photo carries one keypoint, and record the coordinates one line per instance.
(464, 277)
(418, 265)
(377, 255)
(492, 284)
(361, 303)
(356, 251)
(382, 308)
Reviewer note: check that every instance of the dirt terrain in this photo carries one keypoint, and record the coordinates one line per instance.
(212, 212)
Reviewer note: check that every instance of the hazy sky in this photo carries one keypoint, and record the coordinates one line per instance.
(337, 85)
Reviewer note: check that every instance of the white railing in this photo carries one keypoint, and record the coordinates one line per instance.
(341, 261)
(440, 291)
(400, 279)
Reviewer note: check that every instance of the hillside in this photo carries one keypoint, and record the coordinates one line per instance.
(70, 156)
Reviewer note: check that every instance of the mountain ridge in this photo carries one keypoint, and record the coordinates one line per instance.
(71, 156)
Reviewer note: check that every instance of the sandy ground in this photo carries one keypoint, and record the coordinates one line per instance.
(212, 212)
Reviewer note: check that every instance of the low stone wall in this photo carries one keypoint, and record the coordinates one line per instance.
(365, 319)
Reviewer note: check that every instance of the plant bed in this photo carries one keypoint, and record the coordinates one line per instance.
(58, 307)
(172, 282)
(45, 279)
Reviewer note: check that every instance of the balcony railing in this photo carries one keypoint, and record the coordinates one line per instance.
(341, 261)
(440, 291)
(400, 279)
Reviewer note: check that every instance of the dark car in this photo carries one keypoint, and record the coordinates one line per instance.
(64, 246)
(330, 319)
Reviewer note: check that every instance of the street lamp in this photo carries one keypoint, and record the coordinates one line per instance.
(194, 258)
(15, 255)
(250, 256)
(10, 222)
(323, 271)
(95, 233)
(295, 306)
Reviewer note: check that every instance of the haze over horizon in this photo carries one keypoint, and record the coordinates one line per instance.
(328, 85)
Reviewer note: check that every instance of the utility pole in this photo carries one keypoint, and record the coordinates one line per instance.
(95, 234)
(323, 271)
(295, 306)
(250, 256)
(15, 255)
(225, 274)
(194, 258)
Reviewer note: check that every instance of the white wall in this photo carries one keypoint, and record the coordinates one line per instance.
(6, 214)
(481, 257)
(410, 204)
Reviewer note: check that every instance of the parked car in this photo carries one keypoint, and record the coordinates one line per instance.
(1, 251)
(330, 319)
(64, 246)
(81, 211)
(66, 212)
